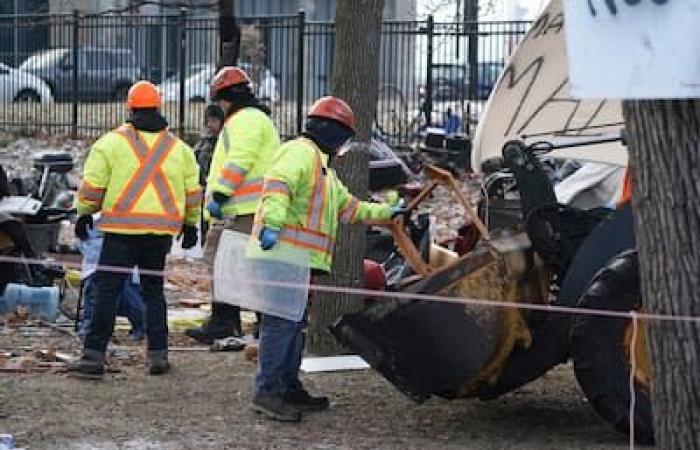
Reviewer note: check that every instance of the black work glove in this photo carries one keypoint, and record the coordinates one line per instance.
(82, 226)
(189, 236)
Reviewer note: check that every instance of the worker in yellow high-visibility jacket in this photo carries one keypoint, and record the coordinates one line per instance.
(244, 152)
(302, 204)
(145, 182)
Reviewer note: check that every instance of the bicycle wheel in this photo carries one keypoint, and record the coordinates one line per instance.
(392, 111)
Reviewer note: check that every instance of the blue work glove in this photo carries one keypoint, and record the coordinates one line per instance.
(397, 211)
(214, 209)
(268, 238)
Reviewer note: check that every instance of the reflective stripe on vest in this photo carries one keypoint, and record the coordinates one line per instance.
(232, 176)
(90, 193)
(276, 187)
(303, 238)
(149, 173)
(249, 191)
(193, 199)
(349, 211)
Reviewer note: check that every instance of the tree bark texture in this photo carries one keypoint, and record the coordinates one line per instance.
(230, 35)
(665, 160)
(355, 80)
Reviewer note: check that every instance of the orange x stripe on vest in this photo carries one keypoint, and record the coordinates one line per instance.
(150, 173)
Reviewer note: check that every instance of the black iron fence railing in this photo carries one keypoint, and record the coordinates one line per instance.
(69, 74)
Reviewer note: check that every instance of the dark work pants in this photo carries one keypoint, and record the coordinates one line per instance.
(148, 252)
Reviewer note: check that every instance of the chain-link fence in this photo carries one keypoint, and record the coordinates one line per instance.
(69, 74)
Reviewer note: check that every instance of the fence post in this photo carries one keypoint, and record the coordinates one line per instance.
(428, 108)
(182, 68)
(300, 71)
(74, 87)
(471, 17)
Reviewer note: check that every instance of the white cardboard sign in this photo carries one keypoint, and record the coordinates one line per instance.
(633, 48)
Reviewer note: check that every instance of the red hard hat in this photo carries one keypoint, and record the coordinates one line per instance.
(143, 94)
(226, 77)
(335, 109)
(375, 278)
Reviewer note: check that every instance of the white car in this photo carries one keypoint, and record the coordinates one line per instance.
(197, 85)
(20, 86)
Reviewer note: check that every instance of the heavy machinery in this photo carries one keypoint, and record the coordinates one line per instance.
(548, 254)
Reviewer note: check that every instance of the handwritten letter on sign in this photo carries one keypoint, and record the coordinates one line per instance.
(633, 48)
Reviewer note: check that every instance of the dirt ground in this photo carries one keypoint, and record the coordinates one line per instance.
(203, 404)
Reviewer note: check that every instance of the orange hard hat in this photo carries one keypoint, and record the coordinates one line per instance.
(143, 94)
(226, 77)
(335, 109)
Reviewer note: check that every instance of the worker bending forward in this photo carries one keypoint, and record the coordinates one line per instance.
(302, 203)
(145, 182)
(243, 154)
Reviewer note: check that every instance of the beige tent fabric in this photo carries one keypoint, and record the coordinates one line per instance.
(531, 102)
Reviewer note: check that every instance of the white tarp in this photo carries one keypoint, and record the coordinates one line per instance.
(641, 49)
(532, 102)
(594, 185)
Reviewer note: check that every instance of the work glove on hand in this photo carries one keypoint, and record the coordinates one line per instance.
(214, 209)
(397, 211)
(189, 236)
(82, 226)
(268, 238)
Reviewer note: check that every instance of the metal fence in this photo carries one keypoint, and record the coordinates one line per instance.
(70, 73)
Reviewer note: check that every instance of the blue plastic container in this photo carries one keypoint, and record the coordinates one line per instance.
(42, 302)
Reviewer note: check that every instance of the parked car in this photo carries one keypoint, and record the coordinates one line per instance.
(197, 85)
(103, 73)
(19, 86)
(451, 81)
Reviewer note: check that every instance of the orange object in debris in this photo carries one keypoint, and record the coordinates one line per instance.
(626, 189)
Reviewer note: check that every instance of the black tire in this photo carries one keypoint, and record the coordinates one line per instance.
(600, 363)
(27, 96)
(198, 99)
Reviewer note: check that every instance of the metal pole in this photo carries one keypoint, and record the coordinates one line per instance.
(300, 72)
(428, 108)
(183, 69)
(15, 36)
(76, 37)
(471, 16)
(163, 48)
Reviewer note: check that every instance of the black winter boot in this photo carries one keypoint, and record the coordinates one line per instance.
(224, 322)
(86, 369)
(274, 406)
(304, 402)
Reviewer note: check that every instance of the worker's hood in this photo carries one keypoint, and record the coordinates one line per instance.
(531, 102)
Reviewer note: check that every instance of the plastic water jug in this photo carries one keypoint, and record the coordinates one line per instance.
(42, 302)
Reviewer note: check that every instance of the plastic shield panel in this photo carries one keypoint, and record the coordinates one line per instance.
(274, 282)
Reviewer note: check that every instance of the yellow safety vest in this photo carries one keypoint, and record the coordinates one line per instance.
(243, 153)
(143, 183)
(305, 200)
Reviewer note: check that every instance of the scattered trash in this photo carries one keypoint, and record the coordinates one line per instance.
(333, 364)
(229, 344)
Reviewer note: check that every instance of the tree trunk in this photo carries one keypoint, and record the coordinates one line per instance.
(665, 160)
(355, 80)
(230, 35)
